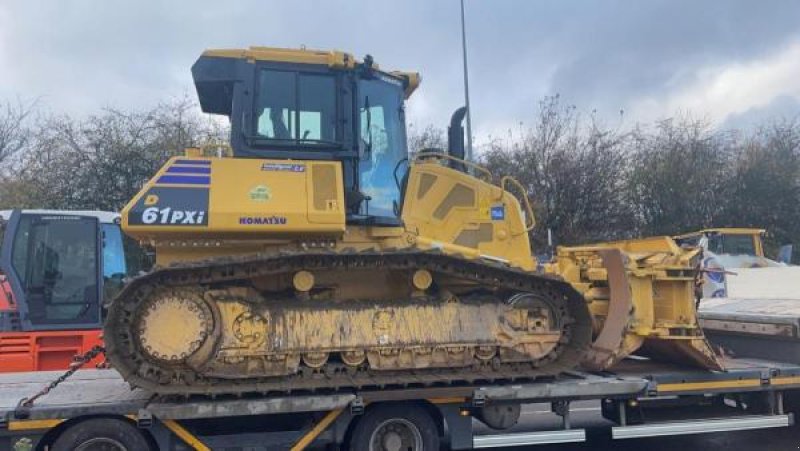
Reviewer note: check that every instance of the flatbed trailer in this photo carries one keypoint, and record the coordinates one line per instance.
(640, 398)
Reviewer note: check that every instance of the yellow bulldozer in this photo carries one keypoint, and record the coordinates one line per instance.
(317, 253)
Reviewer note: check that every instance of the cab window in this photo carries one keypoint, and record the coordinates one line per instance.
(296, 108)
(382, 143)
(731, 244)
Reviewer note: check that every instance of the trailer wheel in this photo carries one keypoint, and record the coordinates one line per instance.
(395, 427)
(101, 434)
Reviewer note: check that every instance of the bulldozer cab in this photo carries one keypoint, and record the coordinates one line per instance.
(313, 105)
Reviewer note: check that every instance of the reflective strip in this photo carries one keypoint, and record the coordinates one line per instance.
(27, 425)
(785, 380)
(711, 385)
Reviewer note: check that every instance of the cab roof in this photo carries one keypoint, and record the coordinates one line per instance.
(724, 230)
(105, 217)
(332, 58)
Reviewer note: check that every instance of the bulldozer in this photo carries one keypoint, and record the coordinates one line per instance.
(316, 253)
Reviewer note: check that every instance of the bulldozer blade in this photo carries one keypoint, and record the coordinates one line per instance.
(641, 294)
(609, 342)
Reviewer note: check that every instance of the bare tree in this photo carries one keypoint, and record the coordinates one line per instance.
(678, 176)
(101, 162)
(763, 189)
(429, 137)
(574, 172)
(13, 128)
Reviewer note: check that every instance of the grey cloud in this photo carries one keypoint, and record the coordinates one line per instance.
(779, 109)
(84, 54)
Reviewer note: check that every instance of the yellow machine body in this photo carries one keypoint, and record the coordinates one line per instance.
(229, 206)
(274, 271)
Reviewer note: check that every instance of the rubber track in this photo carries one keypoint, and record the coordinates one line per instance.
(123, 356)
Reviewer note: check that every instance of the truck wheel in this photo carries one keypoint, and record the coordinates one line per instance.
(395, 427)
(101, 434)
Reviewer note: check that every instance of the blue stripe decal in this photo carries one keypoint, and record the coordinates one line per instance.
(184, 180)
(189, 170)
(195, 162)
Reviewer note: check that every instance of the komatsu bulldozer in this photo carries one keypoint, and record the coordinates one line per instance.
(317, 253)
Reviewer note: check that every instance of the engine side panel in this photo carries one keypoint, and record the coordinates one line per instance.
(238, 198)
(456, 211)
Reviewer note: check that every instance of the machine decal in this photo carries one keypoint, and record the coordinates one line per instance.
(263, 220)
(194, 162)
(184, 180)
(716, 275)
(155, 215)
(171, 206)
(283, 167)
(260, 193)
(719, 293)
(187, 172)
(498, 213)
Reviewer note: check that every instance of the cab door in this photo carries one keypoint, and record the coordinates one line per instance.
(53, 265)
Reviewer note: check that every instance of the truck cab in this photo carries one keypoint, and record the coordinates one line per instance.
(56, 270)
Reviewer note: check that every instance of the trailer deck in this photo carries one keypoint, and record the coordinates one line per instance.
(719, 401)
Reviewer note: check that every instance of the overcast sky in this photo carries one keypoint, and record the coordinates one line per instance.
(734, 62)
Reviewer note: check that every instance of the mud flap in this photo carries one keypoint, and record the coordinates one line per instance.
(608, 342)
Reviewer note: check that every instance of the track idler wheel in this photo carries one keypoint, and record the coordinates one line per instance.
(174, 324)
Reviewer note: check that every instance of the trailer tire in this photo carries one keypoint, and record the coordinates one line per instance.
(403, 426)
(105, 433)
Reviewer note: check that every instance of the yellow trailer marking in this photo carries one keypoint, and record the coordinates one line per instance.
(452, 400)
(27, 425)
(710, 385)
(316, 430)
(185, 435)
(786, 380)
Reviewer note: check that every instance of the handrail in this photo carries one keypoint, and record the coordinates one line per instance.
(421, 156)
(522, 194)
(223, 148)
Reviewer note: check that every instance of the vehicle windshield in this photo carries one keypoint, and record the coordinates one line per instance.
(382, 143)
(296, 108)
(122, 258)
(56, 260)
(731, 244)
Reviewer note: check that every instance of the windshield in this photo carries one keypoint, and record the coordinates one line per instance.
(383, 143)
(122, 258)
(56, 260)
(731, 244)
(114, 264)
(296, 107)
